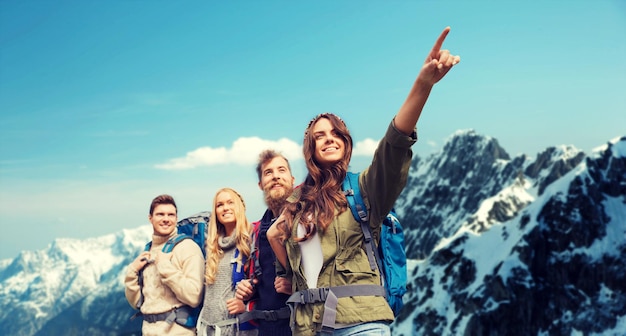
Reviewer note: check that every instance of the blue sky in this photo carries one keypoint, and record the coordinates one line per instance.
(104, 105)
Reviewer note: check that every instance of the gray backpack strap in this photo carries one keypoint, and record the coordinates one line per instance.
(358, 208)
(224, 323)
(330, 296)
(202, 330)
(371, 251)
(168, 316)
(267, 315)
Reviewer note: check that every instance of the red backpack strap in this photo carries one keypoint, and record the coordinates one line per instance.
(254, 268)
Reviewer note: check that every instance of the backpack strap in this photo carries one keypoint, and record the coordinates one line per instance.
(351, 188)
(167, 248)
(267, 315)
(255, 265)
(172, 242)
(140, 283)
(237, 273)
(179, 315)
(330, 296)
(359, 211)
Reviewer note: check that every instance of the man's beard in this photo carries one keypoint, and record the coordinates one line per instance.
(275, 199)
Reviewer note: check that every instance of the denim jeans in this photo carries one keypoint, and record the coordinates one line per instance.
(363, 329)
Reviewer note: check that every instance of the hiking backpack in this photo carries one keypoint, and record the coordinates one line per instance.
(390, 256)
(194, 227)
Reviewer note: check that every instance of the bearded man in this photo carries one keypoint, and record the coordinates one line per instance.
(269, 291)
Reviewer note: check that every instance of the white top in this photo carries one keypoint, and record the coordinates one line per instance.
(312, 257)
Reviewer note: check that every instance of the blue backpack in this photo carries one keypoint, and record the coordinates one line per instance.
(195, 228)
(238, 274)
(390, 256)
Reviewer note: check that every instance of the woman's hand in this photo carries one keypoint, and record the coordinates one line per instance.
(235, 306)
(275, 239)
(438, 62)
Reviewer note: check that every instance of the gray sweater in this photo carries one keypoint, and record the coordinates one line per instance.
(215, 296)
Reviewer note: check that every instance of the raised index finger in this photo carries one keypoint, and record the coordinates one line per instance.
(440, 40)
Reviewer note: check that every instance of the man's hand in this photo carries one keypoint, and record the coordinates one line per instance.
(245, 289)
(282, 285)
(141, 261)
(235, 306)
(438, 62)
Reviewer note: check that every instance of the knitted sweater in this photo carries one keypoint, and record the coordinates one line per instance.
(173, 280)
(214, 309)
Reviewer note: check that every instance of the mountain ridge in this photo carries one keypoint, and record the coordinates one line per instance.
(554, 268)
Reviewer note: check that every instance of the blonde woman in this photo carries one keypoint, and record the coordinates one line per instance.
(227, 249)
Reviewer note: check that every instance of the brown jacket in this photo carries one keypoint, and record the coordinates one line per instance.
(344, 258)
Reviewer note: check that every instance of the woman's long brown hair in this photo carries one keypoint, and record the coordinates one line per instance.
(321, 192)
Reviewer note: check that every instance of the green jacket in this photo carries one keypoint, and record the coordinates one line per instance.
(344, 258)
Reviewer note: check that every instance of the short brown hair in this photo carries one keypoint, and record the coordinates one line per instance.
(162, 199)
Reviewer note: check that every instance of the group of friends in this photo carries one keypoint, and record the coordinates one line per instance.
(307, 238)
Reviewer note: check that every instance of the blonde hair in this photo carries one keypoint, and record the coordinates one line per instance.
(242, 235)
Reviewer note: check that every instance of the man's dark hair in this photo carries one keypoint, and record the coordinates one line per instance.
(162, 199)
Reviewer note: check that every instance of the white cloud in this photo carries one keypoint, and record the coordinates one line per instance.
(243, 151)
(366, 147)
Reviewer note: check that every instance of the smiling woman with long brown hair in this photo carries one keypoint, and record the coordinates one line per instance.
(321, 243)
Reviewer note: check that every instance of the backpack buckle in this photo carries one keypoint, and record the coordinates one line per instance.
(313, 295)
(270, 315)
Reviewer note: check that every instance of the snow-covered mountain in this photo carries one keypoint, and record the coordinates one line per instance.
(499, 246)
(516, 246)
(473, 183)
(74, 287)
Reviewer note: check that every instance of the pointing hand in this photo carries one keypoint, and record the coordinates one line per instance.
(438, 62)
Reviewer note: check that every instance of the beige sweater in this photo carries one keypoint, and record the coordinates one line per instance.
(175, 279)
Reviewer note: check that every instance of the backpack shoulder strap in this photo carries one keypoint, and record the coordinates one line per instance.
(255, 265)
(354, 197)
(359, 211)
(238, 273)
(172, 242)
(140, 283)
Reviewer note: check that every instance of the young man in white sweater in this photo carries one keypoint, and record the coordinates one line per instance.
(172, 282)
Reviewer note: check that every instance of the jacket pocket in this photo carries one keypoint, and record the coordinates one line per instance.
(351, 261)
